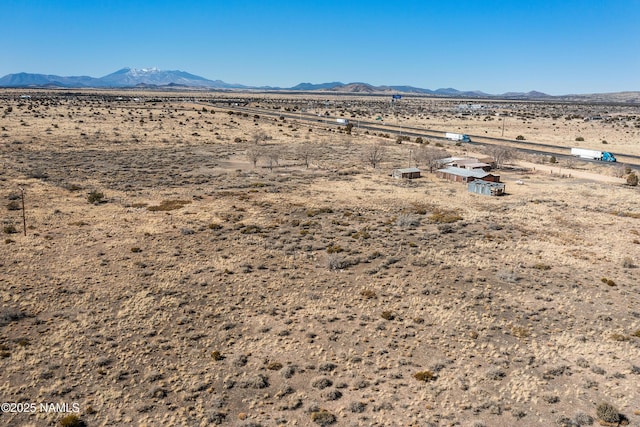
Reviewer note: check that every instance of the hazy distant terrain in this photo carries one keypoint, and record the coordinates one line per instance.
(235, 259)
(153, 77)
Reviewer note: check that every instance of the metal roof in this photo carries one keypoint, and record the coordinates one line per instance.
(408, 170)
(465, 172)
(451, 159)
(475, 164)
(481, 183)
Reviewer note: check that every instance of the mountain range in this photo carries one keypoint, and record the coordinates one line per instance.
(126, 77)
(155, 78)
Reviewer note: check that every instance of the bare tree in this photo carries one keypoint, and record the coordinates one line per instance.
(253, 154)
(570, 163)
(273, 156)
(499, 154)
(259, 136)
(619, 171)
(305, 153)
(375, 154)
(430, 156)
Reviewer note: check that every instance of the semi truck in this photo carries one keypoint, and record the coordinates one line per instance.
(603, 156)
(342, 121)
(457, 137)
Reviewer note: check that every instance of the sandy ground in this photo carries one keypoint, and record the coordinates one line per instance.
(165, 280)
(571, 173)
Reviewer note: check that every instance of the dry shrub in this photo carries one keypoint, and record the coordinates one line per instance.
(9, 229)
(362, 234)
(323, 417)
(388, 315)
(95, 197)
(321, 383)
(608, 282)
(368, 293)
(583, 419)
(619, 337)
(608, 413)
(425, 376)
(14, 206)
(334, 249)
(274, 366)
(251, 229)
(627, 262)
(357, 407)
(520, 332)
(337, 262)
(71, 421)
(409, 221)
(8, 315)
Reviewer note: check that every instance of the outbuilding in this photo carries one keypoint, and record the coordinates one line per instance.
(406, 173)
(466, 175)
(485, 164)
(471, 164)
(486, 188)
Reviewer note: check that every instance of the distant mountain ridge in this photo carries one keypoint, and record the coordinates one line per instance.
(125, 77)
(155, 78)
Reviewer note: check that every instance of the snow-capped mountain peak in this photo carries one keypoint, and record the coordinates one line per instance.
(142, 71)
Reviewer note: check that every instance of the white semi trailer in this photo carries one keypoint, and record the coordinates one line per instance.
(342, 121)
(457, 137)
(583, 153)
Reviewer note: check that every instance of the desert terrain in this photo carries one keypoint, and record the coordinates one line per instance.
(190, 263)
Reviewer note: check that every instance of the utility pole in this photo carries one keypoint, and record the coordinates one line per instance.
(24, 218)
(503, 125)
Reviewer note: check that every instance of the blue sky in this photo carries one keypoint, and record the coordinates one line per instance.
(557, 47)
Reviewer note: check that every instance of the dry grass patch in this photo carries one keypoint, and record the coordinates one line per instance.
(444, 216)
(169, 205)
(317, 211)
(292, 274)
(635, 215)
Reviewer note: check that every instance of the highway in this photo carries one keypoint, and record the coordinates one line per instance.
(529, 147)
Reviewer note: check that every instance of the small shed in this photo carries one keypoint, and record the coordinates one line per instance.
(466, 175)
(486, 188)
(406, 173)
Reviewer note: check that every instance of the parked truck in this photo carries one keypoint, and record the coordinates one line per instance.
(457, 137)
(603, 156)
